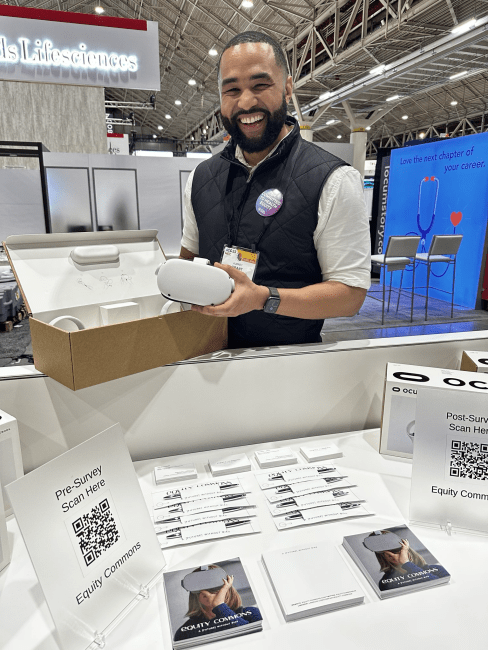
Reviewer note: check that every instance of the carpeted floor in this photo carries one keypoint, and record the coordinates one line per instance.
(367, 324)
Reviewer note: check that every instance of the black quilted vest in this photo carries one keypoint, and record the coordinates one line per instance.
(287, 253)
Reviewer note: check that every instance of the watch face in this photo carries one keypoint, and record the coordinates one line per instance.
(271, 305)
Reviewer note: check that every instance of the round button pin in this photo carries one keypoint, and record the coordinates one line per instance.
(269, 202)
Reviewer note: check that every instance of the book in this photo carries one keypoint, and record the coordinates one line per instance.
(395, 561)
(311, 579)
(209, 603)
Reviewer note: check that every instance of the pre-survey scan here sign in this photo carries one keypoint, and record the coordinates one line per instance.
(61, 47)
(89, 535)
(450, 460)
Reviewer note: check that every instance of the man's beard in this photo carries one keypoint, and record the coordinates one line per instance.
(275, 122)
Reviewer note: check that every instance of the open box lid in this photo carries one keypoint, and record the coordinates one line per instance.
(66, 270)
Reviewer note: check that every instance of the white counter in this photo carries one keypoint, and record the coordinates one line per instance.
(446, 617)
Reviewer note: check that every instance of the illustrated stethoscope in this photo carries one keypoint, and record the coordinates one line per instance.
(424, 231)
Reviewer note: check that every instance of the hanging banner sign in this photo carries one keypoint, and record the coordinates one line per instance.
(60, 47)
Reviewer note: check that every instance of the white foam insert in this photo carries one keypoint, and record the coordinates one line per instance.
(119, 312)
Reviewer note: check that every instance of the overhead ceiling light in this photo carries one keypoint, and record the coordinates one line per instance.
(404, 117)
(392, 98)
(160, 127)
(378, 70)
(247, 4)
(192, 137)
(368, 128)
(464, 27)
(458, 74)
(204, 130)
(177, 102)
(325, 95)
(339, 136)
(154, 135)
(167, 116)
(192, 82)
(422, 135)
(99, 10)
(329, 122)
(213, 52)
(454, 102)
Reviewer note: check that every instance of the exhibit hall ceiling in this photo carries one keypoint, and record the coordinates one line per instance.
(398, 66)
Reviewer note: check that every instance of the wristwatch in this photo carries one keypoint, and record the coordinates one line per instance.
(273, 302)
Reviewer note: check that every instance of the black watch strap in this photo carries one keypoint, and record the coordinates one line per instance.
(273, 302)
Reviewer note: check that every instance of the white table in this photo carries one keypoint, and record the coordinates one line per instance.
(446, 617)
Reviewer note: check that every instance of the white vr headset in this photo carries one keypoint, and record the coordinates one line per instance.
(196, 283)
(379, 542)
(205, 579)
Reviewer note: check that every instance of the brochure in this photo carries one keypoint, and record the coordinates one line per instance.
(395, 561)
(210, 603)
(311, 579)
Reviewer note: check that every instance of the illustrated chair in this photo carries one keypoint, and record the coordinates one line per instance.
(443, 249)
(400, 253)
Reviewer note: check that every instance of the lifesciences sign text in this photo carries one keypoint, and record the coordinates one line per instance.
(69, 48)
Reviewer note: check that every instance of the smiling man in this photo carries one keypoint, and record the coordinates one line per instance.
(289, 216)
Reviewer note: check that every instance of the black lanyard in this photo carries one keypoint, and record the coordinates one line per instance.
(233, 222)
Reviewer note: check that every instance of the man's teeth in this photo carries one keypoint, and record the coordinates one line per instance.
(250, 119)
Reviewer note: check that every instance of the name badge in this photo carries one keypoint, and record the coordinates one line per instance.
(269, 202)
(241, 259)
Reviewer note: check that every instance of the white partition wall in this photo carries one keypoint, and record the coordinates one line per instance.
(224, 400)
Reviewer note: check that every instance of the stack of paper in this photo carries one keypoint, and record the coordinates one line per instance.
(311, 579)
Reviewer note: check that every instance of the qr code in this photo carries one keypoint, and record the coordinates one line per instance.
(469, 460)
(96, 531)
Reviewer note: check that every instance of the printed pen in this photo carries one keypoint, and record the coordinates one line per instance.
(292, 502)
(229, 523)
(344, 506)
(177, 494)
(226, 509)
(225, 497)
(320, 470)
(330, 479)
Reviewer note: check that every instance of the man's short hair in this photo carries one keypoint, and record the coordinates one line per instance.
(257, 37)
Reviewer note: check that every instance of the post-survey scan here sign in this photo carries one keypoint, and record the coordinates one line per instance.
(78, 49)
(89, 535)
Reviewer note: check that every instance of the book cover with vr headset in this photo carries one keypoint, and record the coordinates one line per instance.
(210, 602)
(395, 561)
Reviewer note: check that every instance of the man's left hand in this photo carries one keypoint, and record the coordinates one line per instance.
(246, 296)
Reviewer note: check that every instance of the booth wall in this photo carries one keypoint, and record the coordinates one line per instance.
(63, 118)
(224, 400)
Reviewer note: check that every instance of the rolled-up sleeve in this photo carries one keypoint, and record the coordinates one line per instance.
(190, 237)
(342, 236)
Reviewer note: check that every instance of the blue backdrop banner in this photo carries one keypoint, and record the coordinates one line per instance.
(441, 188)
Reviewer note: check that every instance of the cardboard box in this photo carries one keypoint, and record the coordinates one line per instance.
(76, 273)
(402, 384)
(474, 361)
